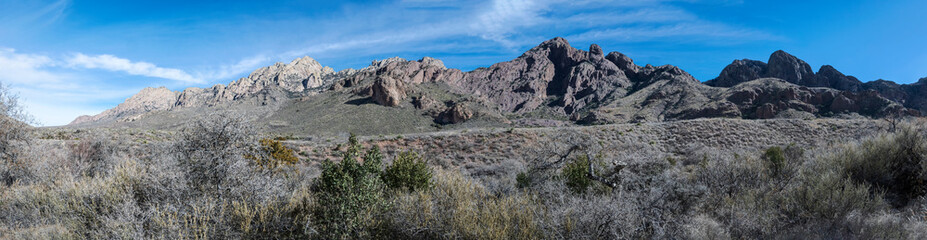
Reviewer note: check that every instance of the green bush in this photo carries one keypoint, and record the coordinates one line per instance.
(409, 171)
(575, 174)
(522, 180)
(350, 195)
(775, 160)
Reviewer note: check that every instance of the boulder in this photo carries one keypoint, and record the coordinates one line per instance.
(388, 91)
(457, 113)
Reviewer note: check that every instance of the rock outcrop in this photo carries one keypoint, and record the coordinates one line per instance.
(765, 98)
(457, 113)
(828, 76)
(783, 65)
(571, 77)
(388, 91)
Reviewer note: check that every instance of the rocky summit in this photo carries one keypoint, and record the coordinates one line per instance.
(552, 84)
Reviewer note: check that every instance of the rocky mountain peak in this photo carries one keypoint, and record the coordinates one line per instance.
(784, 66)
(297, 76)
(428, 61)
(147, 100)
(623, 62)
(595, 50)
(828, 76)
(739, 71)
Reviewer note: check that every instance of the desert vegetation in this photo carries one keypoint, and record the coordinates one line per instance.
(220, 178)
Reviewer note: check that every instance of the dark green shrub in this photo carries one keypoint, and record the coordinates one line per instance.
(522, 180)
(575, 174)
(774, 158)
(409, 171)
(350, 195)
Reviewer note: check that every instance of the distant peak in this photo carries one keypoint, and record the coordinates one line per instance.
(305, 60)
(429, 61)
(556, 40)
(781, 52)
(594, 49)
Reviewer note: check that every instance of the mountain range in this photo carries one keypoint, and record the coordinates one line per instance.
(552, 84)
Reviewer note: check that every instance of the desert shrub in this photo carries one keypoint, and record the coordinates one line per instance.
(14, 137)
(350, 195)
(775, 160)
(90, 157)
(835, 194)
(703, 227)
(409, 171)
(523, 180)
(209, 149)
(10, 106)
(273, 154)
(105, 207)
(458, 208)
(893, 164)
(576, 174)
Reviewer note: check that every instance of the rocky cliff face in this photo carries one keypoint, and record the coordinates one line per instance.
(554, 81)
(569, 77)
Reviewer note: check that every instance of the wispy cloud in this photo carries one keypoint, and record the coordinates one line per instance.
(55, 94)
(20, 16)
(505, 17)
(113, 63)
(24, 68)
(682, 32)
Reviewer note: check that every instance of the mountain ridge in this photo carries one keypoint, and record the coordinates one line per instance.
(550, 82)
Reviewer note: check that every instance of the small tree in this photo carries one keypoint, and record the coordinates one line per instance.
(409, 171)
(574, 174)
(350, 194)
(775, 160)
(10, 106)
(14, 133)
(211, 146)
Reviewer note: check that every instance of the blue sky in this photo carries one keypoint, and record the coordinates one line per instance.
(69, 58)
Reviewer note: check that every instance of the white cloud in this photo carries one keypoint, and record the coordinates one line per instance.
(24, 68)
(505, 17)
(55, 95)
(113, 63)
